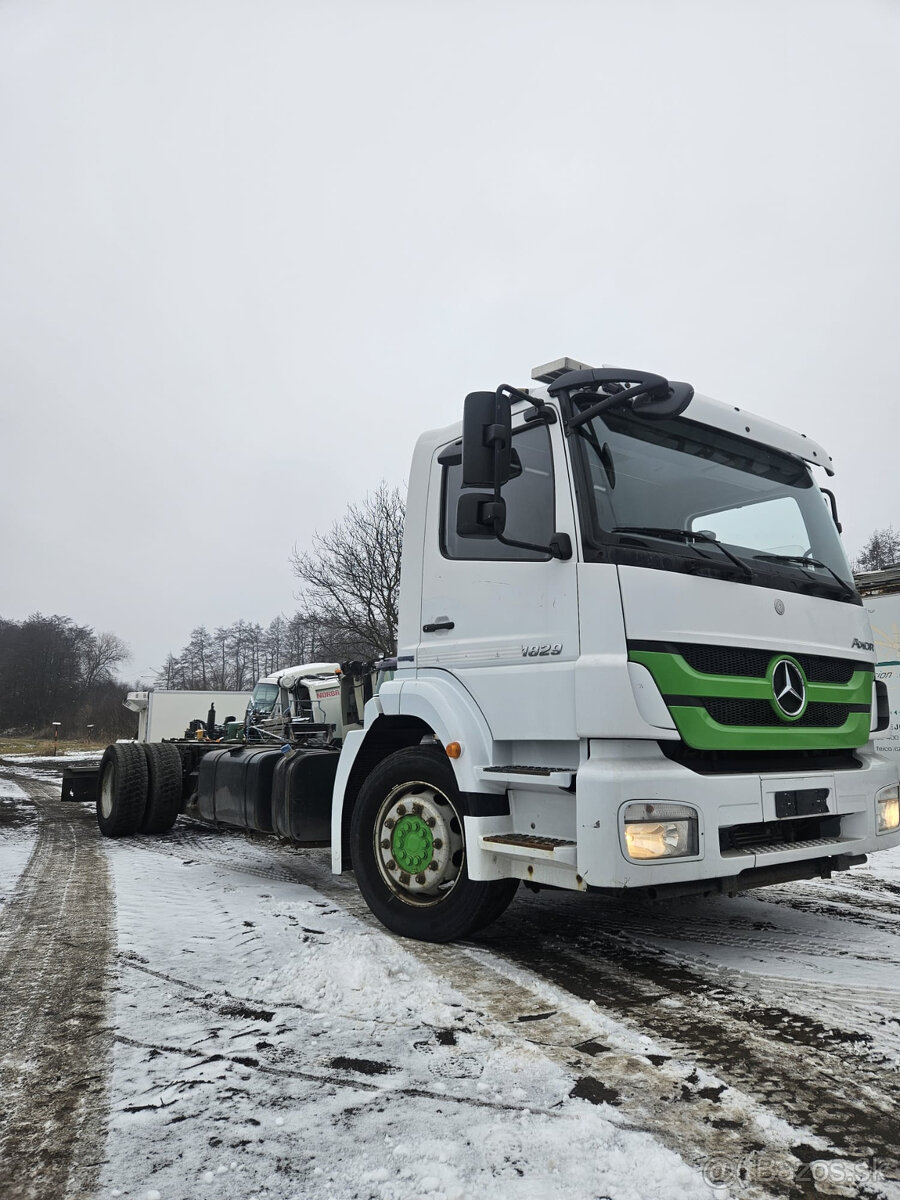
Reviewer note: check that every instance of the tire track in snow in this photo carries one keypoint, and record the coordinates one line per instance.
(812, 1075)
(56, 937)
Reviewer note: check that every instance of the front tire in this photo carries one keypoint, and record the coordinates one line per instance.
(407, 839)
(122, 792)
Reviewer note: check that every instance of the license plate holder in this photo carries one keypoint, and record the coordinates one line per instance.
(801, 802)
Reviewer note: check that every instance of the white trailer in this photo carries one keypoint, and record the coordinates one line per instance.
(880, 591)
(163, 715)
(631, 656)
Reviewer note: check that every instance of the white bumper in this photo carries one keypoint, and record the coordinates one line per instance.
(618, 773)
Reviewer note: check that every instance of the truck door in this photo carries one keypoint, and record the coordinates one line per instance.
(504, 620)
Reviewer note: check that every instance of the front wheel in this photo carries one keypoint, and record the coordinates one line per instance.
(407, 839)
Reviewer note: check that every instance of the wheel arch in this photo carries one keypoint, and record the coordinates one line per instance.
(438, 707)
(365, 750)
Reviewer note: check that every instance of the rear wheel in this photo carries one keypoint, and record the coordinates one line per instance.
(409, 854)
(122, 792)
(164, 787)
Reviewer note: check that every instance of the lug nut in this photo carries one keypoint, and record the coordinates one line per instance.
(385, 844)
(401, 810)
(404, 879)
(417, 809)
(420, 879)
(389, 823)
(391, 866)
(431, 822)
(438, 844)
(432, 866)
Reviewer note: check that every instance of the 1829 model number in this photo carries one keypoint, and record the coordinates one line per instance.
(542, 650)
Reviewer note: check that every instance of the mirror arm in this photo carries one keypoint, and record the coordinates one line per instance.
(539, 411)
(834, 512)
(560, 545)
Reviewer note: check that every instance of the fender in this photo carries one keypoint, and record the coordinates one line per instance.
(440, 701)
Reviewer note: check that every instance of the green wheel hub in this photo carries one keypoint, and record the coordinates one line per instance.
(418, 842)
(412, 844)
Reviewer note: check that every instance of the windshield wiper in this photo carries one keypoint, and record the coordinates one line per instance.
(689, 537)
(804, 560)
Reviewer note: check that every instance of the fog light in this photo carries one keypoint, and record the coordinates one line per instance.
(887, 809)
(660, 830)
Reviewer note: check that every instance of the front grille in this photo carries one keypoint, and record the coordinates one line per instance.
(735, 711)
(767, 837)
(753, 664)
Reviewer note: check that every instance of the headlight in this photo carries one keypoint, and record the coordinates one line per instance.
(887, 809)
(660, 830)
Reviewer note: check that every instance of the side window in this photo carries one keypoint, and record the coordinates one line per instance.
(530, 515)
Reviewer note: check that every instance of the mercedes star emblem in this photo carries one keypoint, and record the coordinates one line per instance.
(788, 688)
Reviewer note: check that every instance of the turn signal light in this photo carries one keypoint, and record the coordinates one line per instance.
(454, 749)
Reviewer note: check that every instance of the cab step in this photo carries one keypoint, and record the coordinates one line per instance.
(529, 845)
(526, 776)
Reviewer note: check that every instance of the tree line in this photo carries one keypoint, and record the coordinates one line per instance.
(53, 670)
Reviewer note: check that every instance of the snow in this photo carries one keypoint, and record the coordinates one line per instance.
(16, 838)
(78, 755)
(273, 1045)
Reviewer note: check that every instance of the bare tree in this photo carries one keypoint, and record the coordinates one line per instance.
(882, 550)
(102, 653)
(55, 670)
(350, 581)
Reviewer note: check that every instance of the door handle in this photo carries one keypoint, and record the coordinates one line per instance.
(436, 625)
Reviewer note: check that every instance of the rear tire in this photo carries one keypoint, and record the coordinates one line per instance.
(164, 787)
(122, 791)
(407, 839)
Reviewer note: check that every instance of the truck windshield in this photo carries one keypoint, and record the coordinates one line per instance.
(264, 697)
(694, 494)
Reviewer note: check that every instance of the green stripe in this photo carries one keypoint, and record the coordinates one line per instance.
(699, 730)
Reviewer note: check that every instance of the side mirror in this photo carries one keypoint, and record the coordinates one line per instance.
(479, 515)
(486, 440)
(671, 405)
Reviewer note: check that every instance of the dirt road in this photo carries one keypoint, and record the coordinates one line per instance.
(56, 945)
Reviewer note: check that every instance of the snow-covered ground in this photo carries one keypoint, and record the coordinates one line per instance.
(274, 1045)
(18, 826)
(271, 1040)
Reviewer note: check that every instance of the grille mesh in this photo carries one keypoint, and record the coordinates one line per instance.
(735, 711)
(753, 664)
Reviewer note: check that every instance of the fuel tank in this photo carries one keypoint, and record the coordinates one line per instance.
(234, 787)
(301, 796)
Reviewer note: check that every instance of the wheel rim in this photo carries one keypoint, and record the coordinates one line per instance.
(106, 792)
(419, 846)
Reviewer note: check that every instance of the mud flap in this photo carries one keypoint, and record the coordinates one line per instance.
(79, 784)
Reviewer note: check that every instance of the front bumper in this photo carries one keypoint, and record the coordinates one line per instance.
(739, 827)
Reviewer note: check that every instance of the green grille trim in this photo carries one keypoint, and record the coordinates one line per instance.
(700, 731)
(675, 677)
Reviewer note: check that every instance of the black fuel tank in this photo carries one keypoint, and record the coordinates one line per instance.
(234, 787)
(301, 796)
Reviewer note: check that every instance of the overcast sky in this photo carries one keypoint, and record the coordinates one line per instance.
(248, 250)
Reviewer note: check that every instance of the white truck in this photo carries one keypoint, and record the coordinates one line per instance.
(631, 656)
(310, 692)
(880, 591)
(164, 715)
